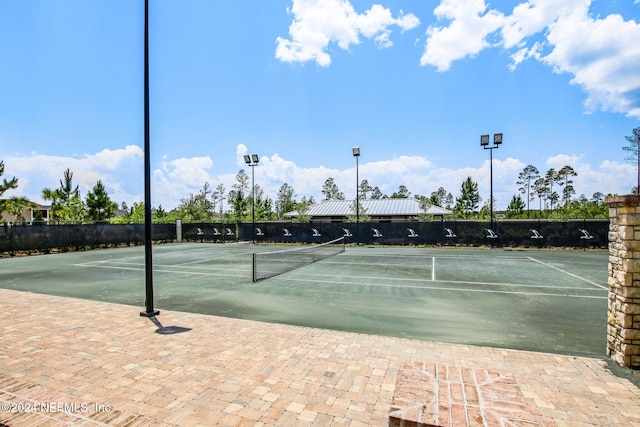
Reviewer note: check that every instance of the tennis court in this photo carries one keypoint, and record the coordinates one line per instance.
(553, 301)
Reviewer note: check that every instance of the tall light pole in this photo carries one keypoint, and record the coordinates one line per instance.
(484, 142)
(252, 160)
(356, 154)
(148, 257)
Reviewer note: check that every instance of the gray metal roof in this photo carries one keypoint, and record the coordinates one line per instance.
(378, 207)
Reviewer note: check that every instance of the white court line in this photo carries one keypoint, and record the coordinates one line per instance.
(426, 281)
(235, 255)
(433, 269)
(438, 288)
(420, 258)
(194, 267)
(127, 260)
(139, 267)
(96, 263)
(167, 251)
(427, 255)
(570, 274)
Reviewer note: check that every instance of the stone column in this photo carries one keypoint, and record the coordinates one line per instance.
(179, 230)
(623, 323)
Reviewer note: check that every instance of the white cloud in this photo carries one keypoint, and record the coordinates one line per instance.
(318, 23)
(532, 17)
(465, 35)
(388, 175)
(560, 160)
(505, 175)
(618, 178)
(177, 179)
(120, 171)
(609, 177)
(602, 54)
(525, 53)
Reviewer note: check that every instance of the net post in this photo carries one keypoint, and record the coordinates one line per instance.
(253, 267)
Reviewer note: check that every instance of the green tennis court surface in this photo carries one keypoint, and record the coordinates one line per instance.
(553, 301)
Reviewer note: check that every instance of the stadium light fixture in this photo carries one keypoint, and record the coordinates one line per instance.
(252, 161)
(356, 154)
(484, 143)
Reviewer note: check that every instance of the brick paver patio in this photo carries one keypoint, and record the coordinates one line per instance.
(66, 361)
(430, 394)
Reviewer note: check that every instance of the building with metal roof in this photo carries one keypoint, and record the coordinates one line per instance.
(377, 210)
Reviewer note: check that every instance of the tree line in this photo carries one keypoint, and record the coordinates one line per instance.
(66, 203)
(553, 191)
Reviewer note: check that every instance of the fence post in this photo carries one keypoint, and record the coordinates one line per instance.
(623, 322)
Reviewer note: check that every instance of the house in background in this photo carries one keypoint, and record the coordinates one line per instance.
(378, 210)
(41, 213)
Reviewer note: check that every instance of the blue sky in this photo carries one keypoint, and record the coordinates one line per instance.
(414, 83)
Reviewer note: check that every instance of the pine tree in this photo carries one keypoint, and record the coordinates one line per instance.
(6, 185)
(634, 149)
(66, 204)
(516, 207)
(469, 199)
(526, 178)
(99, 205)
(364, 189)
(564, 178)
(402, 193)
(286, 199)
(376, 193)
(331, 191)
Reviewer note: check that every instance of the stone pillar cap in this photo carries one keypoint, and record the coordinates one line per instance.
(622, 201)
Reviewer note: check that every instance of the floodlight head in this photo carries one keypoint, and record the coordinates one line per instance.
(247, 159)
(255, 158)
(484, 140)
(497, 138)
(356, 151)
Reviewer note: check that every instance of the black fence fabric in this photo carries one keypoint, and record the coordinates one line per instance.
(209, 232)
(507, 233)
(504, 233)
(49, 237)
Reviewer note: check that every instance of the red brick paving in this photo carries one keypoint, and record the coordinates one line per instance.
(226, 372)
(431, 394)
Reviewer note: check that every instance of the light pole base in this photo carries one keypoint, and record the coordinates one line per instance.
(149, 313)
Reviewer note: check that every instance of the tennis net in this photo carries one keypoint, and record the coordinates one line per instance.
(269, 264)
